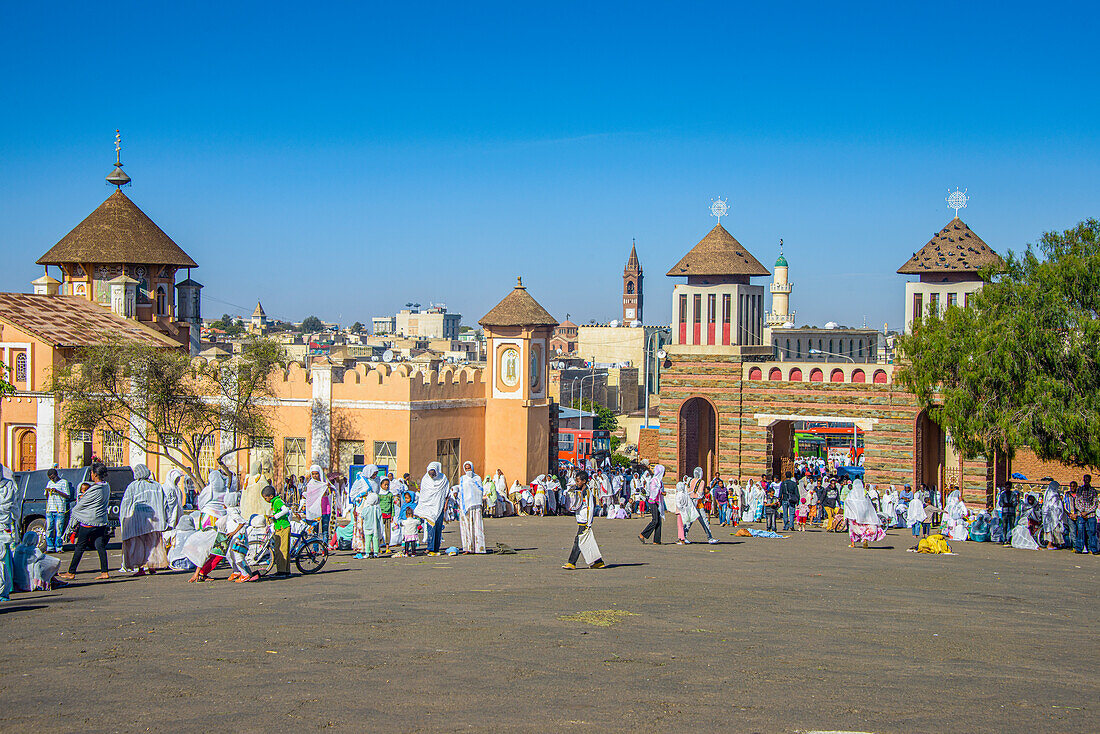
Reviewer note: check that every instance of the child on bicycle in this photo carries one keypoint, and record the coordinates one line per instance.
(280, 547)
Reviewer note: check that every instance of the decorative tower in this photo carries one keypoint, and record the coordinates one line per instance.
(632, 288)
(517, 409)
(781, 293)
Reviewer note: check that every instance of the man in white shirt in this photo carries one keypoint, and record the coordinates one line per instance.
(584, 542)
(58, 494)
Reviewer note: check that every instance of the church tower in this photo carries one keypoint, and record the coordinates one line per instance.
(632, 288)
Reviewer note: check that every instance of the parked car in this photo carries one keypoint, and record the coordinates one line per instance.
(30, 496)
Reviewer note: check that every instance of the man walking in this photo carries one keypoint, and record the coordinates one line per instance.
(1084, 516)
(583, 541)
(788, 498)
(653, 500)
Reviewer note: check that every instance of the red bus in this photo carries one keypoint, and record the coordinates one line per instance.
(576, 445)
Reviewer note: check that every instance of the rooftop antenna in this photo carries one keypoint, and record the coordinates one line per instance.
(957, 200)
(118, 177)
(719, 208)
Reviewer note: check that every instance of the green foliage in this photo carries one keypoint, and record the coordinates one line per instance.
(311, 324)
(605, 417)
(6, 388)
(146, 394)
(230, 325)
(356, 327)
(1021, 365)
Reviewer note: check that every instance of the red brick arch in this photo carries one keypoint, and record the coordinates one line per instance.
(880, 377)
(816, 375)
(859, 376)
(775, 374)
(837, 375)
(795, 376)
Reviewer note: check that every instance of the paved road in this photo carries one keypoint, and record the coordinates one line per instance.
(748, 635)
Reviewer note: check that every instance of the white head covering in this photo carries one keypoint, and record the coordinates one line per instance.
(471, 491)
(915, 512)
(433, 493)
(858, 507)
(314, 493)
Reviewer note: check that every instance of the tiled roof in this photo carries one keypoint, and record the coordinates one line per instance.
(718, 254)
(954, 249)
(518, 309)
(117, 232)
(73, 321)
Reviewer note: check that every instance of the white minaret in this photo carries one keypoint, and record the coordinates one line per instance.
(781, 293)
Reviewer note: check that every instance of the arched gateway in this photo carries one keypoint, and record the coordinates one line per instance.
(698, 437)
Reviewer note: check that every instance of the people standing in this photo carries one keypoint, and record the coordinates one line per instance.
(471, 496)
(316, 502)
(864, 523)
(584, 543)
(89, 516)
(7, 531)
(59, 493)
(1053, 516)
(432, 503)
(1084, 515)
(655, 503)
(1008, 499)
(788, 498)
(145, 513)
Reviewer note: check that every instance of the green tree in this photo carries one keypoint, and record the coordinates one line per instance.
(1021, 365)
(153, 397)
(311, 324)
(356, 327)
(230, 325)
(6, 388)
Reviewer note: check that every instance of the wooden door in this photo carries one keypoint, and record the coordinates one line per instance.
(28, 451)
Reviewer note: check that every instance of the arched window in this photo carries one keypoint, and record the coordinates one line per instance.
(755, 374)
(795, 376)
(880, 377)
(816, 375)
(630, 287)
(830, 346)
(860, 347)
(21, 367)
(837, 376)
(798, 349)
(162, 301)
(788, 351)
(859, 376)
(775, 374)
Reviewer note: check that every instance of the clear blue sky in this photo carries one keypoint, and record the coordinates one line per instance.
(342, 159)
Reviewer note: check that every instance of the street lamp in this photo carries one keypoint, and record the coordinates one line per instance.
(580, 410)
(833, 354)
(645, 380)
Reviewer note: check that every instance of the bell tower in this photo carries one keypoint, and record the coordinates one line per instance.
(517, 404)
(632, 288)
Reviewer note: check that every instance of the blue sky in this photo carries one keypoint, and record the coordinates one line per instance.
(344, 159)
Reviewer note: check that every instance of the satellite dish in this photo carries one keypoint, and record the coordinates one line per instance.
(614, 324)
(387, 356)
(635, 323)
(661, 354)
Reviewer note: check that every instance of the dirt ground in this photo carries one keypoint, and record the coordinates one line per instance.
(749, 635)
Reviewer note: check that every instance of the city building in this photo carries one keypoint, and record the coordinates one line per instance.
(434, 323)
(258, 323)
(564, 340)
(632, 289)
(831, 343)
(383, 325)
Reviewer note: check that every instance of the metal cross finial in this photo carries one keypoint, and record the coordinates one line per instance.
(519, 281)
(780, 245)
(957, 199)
(719, 208)
(118, 147)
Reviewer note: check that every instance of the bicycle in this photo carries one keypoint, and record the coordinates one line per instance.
(308, 551)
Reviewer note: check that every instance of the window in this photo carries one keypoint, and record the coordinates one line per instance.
(77, 441)
(630, 287)
(966, 300)
(565, 442)
(787, 351)
(918, 305)
(262, 451)
(697, 303)
(21, 367)
(683, 309)
(756, 374)
(860, 347)
(294, 456)
(162, 301)
(446, 452)
(795, 376)
(952, 299)
(775, 374)
(934, 303)
(859, 376)
(112, 448)
(880, 377)
(837, 376)
(712, 308)
(385, 452)
(346, 451)
(207, 448)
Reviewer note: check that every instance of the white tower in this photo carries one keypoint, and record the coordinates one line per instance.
(781, 294)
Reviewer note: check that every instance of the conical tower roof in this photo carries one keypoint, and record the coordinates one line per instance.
(632, 264)
(259, 310)
(718, 254)
(954, 249)
(518, 308)
(117, 232)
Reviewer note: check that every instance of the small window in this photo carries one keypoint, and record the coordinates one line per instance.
(385, 452)
(683, 309)
(918, 305)
(21, 367)
(698, 304)
(775, 374)
(630, 287)
(112, 448)
(755, 374)
(795, 376)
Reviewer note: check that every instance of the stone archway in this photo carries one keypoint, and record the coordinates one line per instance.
(698, 437)
(929, 452)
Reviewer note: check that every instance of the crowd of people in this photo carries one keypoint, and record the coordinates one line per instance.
(163, 526)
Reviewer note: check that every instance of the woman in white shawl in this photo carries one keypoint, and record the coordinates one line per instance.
(1054, 516)
(356, 495)
(755, 503)
(145, 513)
(916, 517)
(211, 500)
(889, 506)
(431, 503)
(185, 528)
(686, 512)
(864, 524)
(315, 500)
(259, 476)
(471, 494)
(32, 570)
(1021, 534)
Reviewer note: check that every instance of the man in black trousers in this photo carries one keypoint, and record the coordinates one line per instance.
(654, 492)
(788, 498)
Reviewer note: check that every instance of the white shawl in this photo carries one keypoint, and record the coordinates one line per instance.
(433, 494)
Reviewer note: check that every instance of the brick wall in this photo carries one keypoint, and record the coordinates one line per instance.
(1031, 466)
(647, 444)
